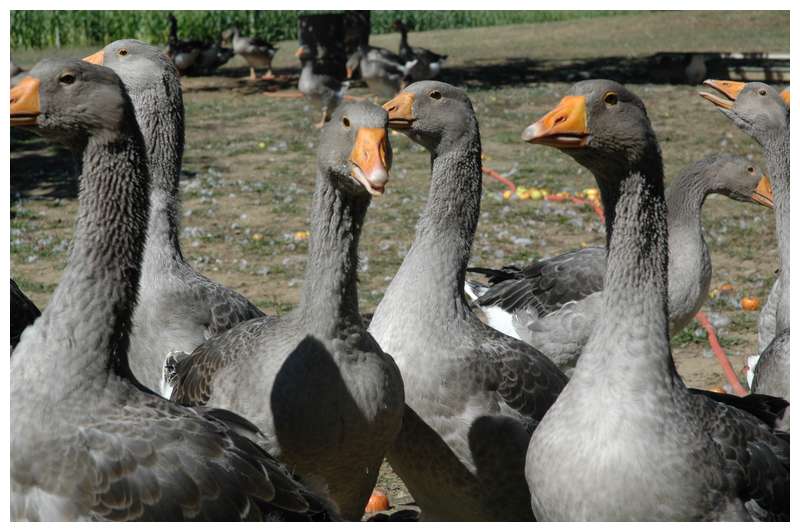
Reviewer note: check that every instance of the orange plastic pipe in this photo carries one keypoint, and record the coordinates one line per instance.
(733, 380)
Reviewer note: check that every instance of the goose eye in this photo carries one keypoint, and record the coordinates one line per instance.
(123, 52)
(346, 122)
(611, 98)
(751, 169)
(436, 95)
(762, 92)
(67, 79)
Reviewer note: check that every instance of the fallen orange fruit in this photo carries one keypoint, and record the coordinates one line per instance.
(727, 287)
(750, 303)
(378, 502)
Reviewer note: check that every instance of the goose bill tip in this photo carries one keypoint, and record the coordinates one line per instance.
(96, 58)
(763, 193)
(717, 101)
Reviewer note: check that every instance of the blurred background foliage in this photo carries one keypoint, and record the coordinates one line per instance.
(44, 29)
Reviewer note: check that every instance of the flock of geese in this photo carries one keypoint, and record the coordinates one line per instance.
(146, 391)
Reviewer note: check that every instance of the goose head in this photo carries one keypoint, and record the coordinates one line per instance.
(305, 54)
(354, 150)
(399, 25)
(755, 108)
(433, 114)
(70, 99)
(736, 177)
(139, 65)
(600, 124)
(353, 62)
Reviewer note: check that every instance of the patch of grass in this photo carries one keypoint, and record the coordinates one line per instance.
(30, 286)
(274, 188)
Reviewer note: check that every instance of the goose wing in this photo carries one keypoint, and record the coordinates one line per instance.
(756, 458)
(427, 56)
(226, 308)
(190, 376)
(525, 379)
(548, 284)
(156, 461)
(261, 45)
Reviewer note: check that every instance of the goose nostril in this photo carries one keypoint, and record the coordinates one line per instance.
(560, 119)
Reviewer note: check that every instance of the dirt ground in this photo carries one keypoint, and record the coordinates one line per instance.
(248, 170)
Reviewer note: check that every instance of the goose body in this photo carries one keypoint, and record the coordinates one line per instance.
(766, 319)
(193, 57)
(427, 64)
(328, 398)
(551, 303)
(256, 51)
(626, 440)
(210, 59)
(178, 308)
(88, 441)
(325, 90)
(474, 394)
(383, 71)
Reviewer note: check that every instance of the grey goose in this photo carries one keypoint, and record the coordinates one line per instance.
(178, 308)
(256, 51)
(551, 303)
(427, 64)
(326, 90)
(383, 71)
(759, 111)
(88, 441)
(329, 399)
(626, 440)
(474, 394)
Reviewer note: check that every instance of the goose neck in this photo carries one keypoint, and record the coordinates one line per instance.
(90, 312)
(631, 339)
(404, 38)
(685, 198)
(688, 252)
(161, 118)
(433, 272)
(329, 297)
(646, 161)
(776, 152)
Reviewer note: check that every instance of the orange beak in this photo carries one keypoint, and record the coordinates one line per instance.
(369, 158)
(96, 58)
(299, 52)
(763, 193)
(564, 127)
(25, 102)
(785, 96)
(730, 89)
(401, 111)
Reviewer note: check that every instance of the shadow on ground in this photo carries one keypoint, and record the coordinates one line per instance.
(662, 68)
(41, 169)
